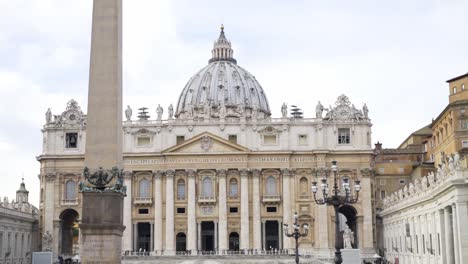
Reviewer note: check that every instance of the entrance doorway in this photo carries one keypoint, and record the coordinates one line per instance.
(271, 235)
(234, 241)
(181, 242)
(144, 237)
(70, 231)
(347, 216)
(207, 236)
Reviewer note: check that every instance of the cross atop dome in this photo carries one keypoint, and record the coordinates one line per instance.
(222, 50)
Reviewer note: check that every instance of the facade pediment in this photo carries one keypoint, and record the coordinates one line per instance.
(207, 143)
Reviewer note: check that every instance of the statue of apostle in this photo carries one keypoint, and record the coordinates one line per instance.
(128, 113)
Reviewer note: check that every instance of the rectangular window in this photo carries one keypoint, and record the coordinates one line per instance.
(180, 140)
(465, 143)
(271, 209)
(464, 124)
(143, 141)
(344, 136)
(143, 211)
(269, 140)
(233, 210)
(181, 210)
(302, 140)
(381, 170)
(401, 170)
(71, 140)
(402, 181)
(232, 139)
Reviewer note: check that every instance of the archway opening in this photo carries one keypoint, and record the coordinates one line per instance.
(207, 236)
(144, 236)
(181, 242)
(271, 235)
(348, 217)
(234, 241)
(70, 232)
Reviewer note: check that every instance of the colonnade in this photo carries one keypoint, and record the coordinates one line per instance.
(428, 236)
(164, 241)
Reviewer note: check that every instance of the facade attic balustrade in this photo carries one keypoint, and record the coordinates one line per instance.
(272, 198)
(206, 199)
(142, 200)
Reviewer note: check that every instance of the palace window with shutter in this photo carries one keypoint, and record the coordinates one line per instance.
(344, 136)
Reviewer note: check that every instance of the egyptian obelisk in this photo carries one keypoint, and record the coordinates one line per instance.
(101, 225)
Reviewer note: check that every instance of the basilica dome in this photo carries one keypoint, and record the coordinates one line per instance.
(222, 83)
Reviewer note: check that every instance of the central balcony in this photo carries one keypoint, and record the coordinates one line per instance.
(206, 199)
(271, 199)
(142, 201)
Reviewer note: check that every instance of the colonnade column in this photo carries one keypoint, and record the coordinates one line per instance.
(245, 230)
(199, 235)
(127, 214)
(287, 219)
(462, 213)
(222, 213)
(257, 232)
(191, 214)
(135, 237)
(169, 250)
(455, 234)
(448, 236)
(443, 248)
(158, 234)
(263, 236)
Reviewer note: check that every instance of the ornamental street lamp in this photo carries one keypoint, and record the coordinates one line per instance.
(336, 199)
(296, 233)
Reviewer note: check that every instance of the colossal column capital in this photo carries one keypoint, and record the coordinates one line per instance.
(286, 172)
(244, 172)
(255, 172)
(221, 172)
(128, 175)
(170, 173)
(158, 174)
(191, 173)
(366, 172)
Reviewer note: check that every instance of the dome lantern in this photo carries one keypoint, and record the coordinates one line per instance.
(222, 50)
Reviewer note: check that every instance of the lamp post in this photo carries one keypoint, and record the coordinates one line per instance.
(296, 233)
(336, 200)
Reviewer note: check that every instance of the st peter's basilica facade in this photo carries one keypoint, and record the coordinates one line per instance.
(218, 173)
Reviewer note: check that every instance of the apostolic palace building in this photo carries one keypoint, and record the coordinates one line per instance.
(217, 172)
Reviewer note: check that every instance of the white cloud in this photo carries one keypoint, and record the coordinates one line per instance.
(395, 56)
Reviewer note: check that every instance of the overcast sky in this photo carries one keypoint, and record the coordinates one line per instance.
(393, 55)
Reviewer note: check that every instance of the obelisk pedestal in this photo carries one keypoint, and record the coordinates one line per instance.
(102, 220)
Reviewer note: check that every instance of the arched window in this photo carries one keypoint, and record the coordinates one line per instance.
(144, 188)
(181, 189)
(233, 188)
(70, 193)
(304, 186)
(207, 187)
(271, 186)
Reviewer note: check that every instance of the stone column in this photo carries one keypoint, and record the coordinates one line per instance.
(455, 234)
(158, 212)
(462, 214)
(49, 206)
(151, 237)
(127, 214)
(368, 220)
(263, 236)
(222, 212)
(169, 249)
(449, 236)
(257, 232)
(245, 230)
(191, 214)
(287, 219)
(135, 237)
(199, 236)
(216, 245)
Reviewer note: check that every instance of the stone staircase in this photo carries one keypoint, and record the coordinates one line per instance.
(239, 259)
